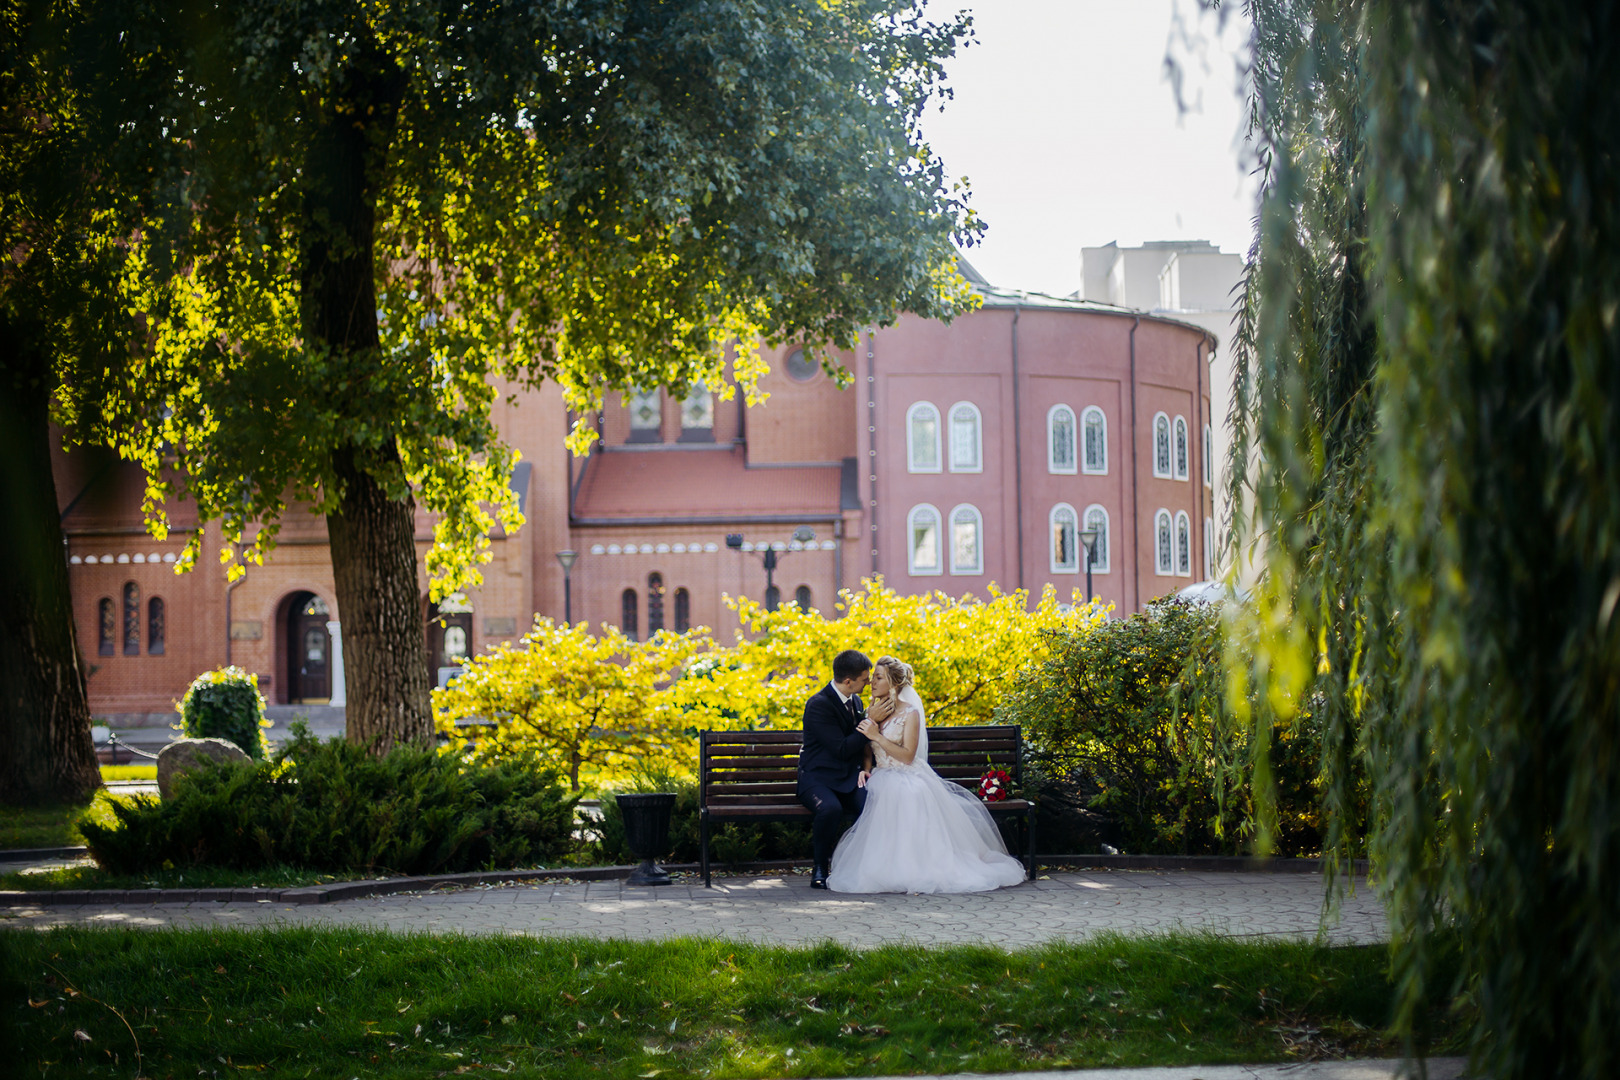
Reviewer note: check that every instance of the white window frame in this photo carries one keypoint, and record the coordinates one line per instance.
(1052, 465)
(1181, 447)
(978, 537)
(1209, 457)
(978, 438)
(1085, 418)
(911, 440)
(1107, 537)
(1075, 548)
(911, 541)
(1209, 549)
(1161, 440)
(1183, 544)
(1164, 544)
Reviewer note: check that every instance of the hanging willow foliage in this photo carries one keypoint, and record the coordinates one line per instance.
(1427, 451)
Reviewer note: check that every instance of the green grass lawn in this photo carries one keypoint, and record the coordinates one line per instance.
(339, 1003)
(189, 877)
(52, 826)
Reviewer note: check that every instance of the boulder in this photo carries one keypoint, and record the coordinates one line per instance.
(183, 754)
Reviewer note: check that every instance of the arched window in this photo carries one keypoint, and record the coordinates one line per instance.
(1161, 447)
(1096, 441)
(683, 611)
(1183, 544)
(1209, 458)
(966, 447)
(922, 540)
(1164, 561)
(922, 438)
(801, 596)
(697, 416)
(156, 631)
(773, 597)
(628, 620)
(646, 415)
(1209, 549)
(1065, 539)
(1182, 450)
(1097, 521)
(655, 603)
(1060, 439)
(106, 626)
(132, 619)
(967, 535)
(455, 645)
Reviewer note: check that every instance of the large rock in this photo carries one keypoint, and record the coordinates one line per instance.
(184, 754)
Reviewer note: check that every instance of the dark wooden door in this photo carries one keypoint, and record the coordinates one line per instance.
(311, 659)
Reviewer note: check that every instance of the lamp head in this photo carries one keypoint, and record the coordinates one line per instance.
(734, 541)
(804, 534)
(567, 559)
(1089, 538)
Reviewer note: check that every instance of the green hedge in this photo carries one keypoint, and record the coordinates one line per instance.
(729, 845)
(333, 806)
(225, 704)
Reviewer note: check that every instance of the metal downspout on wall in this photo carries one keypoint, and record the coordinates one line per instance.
(1018, 455)
(1136, 483)
(871, 435)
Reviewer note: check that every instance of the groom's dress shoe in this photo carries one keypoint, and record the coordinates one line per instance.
(818, 877)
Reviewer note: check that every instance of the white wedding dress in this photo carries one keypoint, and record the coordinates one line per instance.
(919, 832)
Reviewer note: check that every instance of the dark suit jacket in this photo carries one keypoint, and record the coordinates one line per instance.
(833, 750)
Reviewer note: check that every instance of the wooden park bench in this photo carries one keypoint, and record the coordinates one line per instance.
(752, 776)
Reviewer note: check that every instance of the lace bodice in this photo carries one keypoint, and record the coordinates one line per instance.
(893, 729)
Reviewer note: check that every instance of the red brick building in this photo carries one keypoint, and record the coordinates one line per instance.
(960, 455)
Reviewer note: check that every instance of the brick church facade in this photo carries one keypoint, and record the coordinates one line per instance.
(959, 456)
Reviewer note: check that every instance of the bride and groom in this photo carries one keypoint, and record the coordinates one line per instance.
(914, 831)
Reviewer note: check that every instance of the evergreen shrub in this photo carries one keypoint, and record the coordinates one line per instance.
(334, 806)
(226, 704)
(729, 845)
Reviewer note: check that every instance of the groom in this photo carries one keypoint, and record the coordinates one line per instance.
(831, 781)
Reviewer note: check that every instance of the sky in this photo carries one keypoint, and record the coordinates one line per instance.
(1067, 127)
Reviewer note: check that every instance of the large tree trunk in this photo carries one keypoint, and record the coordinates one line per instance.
(46, 755)
(372, 534)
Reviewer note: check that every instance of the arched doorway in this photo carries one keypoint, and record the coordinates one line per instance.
(449, 638)
(309, 650)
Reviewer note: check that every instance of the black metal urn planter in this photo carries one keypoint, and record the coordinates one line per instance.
(646, 831)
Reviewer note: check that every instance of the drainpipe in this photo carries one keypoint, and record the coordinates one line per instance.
(229, 589)
(1018, 455)
(871, 435)
(1136, 482)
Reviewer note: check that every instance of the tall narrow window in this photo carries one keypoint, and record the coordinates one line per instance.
(1164, 561)
(966, 448)
(1097, 521)
(1183, 544)
(967, 547)
(801, 596)
(646, 415)
(922, 530)
(628, 618)
(1182, 449)
(922, 438)
(655, 603)
(1161, 447)
(1209, 549)
(683, 611)
(132, 619)
(155, 629)
(106, 626)
(773, 597)
(1209, 458)
(1065, 542)
(1060, 440)
(697, 416)
(1096, 436)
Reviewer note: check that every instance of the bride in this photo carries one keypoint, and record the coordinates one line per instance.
(918, 832)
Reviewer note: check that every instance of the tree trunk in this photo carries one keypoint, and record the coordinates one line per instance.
(46, 755)
(372, 535)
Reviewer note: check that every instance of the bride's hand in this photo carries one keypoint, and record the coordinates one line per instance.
(881, 709)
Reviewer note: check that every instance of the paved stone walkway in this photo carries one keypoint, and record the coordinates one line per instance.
(784, 910)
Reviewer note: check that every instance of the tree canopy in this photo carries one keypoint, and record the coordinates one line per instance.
(1427, 383)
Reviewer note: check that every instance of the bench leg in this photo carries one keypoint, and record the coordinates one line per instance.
(703, 846)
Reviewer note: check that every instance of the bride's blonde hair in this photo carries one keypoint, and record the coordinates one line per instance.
(898, 671)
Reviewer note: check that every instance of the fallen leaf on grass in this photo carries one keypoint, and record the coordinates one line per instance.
(78, 1033)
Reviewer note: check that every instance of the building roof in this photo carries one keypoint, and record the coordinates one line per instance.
(672, 484)
(995, 296)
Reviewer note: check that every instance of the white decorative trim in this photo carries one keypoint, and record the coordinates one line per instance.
(1107, 530)
(1164, 544)
(1052, 465)
(1075, 547)
(1161, 427)
(1085, 417)
(977, 465)
(978, 540)
(911, 447)
(939, 542)
(1181, 448)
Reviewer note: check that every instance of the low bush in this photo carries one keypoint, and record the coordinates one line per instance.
(333, 806)
(729, 844)
(226, 704)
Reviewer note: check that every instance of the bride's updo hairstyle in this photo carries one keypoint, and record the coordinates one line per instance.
(898, 671)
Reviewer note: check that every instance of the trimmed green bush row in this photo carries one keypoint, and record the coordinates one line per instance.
(330, 805)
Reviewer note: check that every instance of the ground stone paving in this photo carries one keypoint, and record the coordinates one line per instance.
(784, 910)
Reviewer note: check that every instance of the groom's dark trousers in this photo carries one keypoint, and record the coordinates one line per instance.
(829, 768)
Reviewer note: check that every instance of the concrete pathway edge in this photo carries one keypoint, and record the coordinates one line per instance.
(1439, 1068)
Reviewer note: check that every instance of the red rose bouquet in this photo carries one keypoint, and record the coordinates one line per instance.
(995, 785)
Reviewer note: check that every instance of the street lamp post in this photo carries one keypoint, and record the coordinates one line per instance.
(567, 559)
(804, 534)
(1089, 540)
